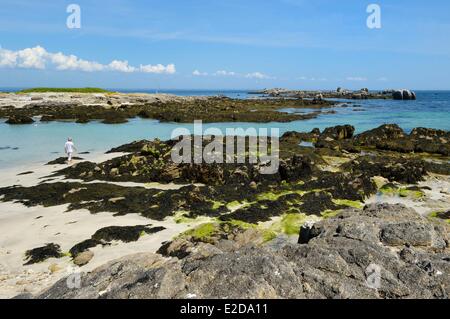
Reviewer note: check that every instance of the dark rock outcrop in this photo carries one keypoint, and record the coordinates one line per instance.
(431, 141)
(387, 137)
(402, 170)
(386, 132)
(112, 119)
(340, 132)
(48, 118)
(19, 119)
(297, 137)
(383, 251)
(339, 93)
(336, 138)
(404, 95)
(391, 137)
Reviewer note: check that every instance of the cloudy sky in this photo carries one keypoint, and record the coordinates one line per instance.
(225, 44)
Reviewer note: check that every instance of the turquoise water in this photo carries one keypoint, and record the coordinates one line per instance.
(41, 142)
(236, 94)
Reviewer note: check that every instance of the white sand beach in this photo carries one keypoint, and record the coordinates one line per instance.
(24, 228)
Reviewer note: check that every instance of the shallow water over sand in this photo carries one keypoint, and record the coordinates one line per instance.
(41, 142)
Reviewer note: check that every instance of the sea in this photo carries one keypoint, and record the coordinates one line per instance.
(21, 145)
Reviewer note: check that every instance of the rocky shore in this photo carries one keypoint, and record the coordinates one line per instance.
(335, 261)
(340, 93)
(115, 108)
(308, 231)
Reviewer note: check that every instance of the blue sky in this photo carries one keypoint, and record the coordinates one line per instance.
(225, 44)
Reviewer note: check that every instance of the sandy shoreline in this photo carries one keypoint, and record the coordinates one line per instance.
(24, 228)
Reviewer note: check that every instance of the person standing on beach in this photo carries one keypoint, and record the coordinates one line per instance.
(69, 148)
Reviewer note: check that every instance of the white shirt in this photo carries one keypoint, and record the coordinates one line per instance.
(69, 147)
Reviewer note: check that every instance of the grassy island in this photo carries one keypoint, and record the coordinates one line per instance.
(64, 90)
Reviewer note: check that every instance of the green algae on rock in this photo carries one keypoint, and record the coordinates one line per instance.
(290, 224)
(412, 192)
(443, 215)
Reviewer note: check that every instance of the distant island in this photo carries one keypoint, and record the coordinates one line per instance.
(63, 90)
(339, 93)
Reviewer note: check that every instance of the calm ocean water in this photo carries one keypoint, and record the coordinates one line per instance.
(41, 142)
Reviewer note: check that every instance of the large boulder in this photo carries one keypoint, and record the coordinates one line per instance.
(19, 119)
(392, 138)
(340, 132)
(386, 132)
(404, 95)
(336, 138)
(297, 137)
(431, 141)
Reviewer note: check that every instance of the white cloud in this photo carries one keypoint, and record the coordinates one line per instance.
(225, 73)
(121, 66)
(71, 62)
(159, 68)
(34, 58)
(305, 78)
(356, 78)
(7, 58)
(198, 73)
(257, 75)
(38, 58)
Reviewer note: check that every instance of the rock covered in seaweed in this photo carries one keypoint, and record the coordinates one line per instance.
(388, 137)
(402, 170)
(431, 141)
(106, 235)
(382, 133)
(118, 108)
(19, 119)
(40, 254)
(340, 132)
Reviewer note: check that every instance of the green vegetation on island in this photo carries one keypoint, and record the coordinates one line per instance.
(64, 90)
